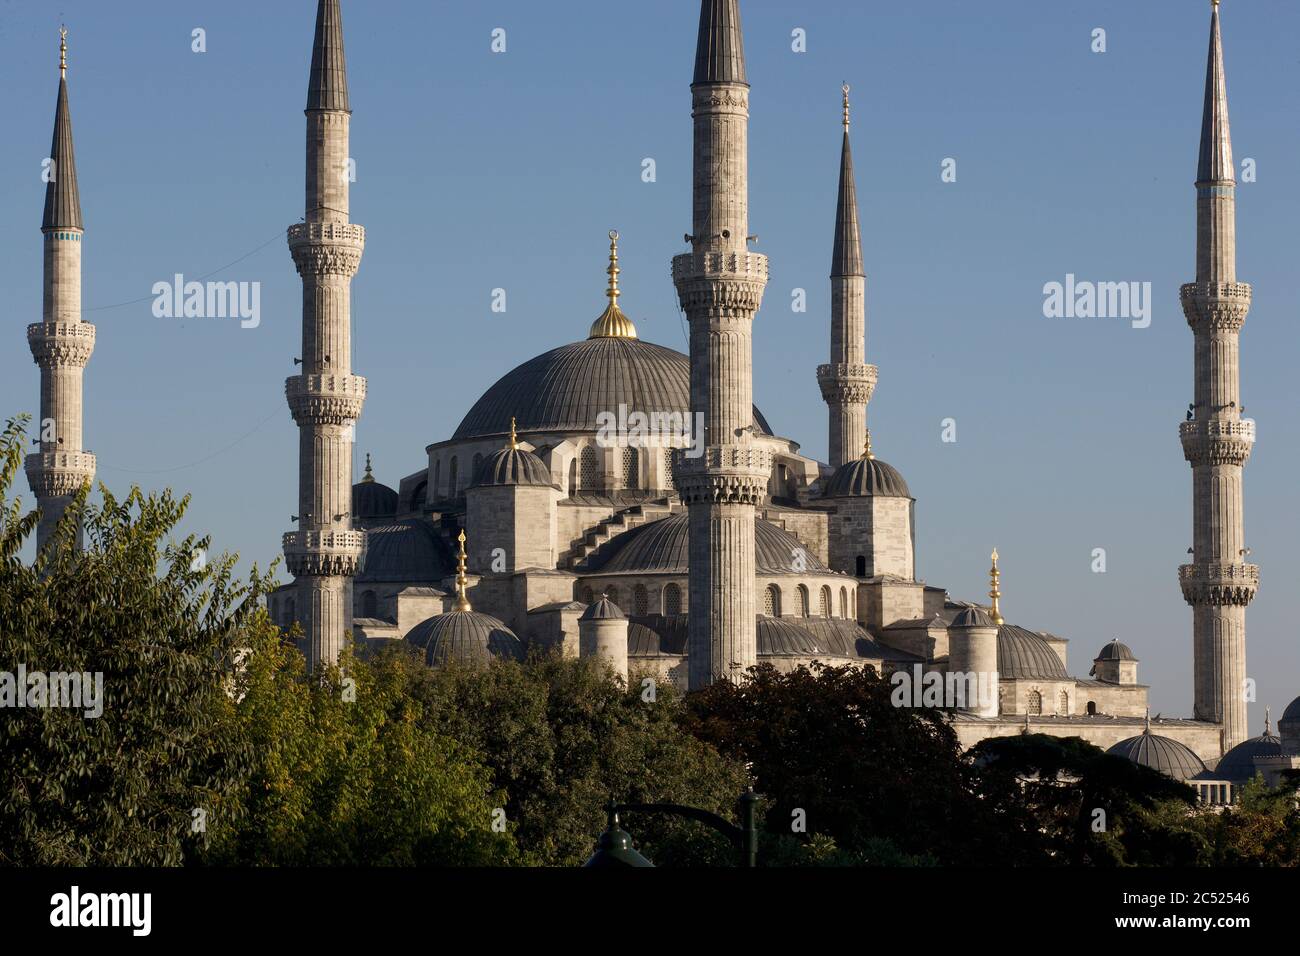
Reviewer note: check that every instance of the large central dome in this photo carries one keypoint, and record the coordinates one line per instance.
(566, 388)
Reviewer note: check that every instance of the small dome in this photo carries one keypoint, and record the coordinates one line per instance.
(603, 610)
(370, 499)
(783, 638)
(465, 636)
(1292, 711)
(1115, 651)
(513, 466)
(973, 617)
(1238, 764)
(1165, 754)
(405, 551)
(1024, 654)
(866, 477)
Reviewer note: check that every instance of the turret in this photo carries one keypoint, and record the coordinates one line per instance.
(602, 633)
(973, 656)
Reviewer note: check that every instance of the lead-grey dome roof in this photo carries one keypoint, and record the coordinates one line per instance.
(865, 477)
(513, 466)
(973, 617)
(566, 388)
(466, 636)
(783, 638)
(1115, 651)
(603, 610)
(662, 547)
(1292, 711)
(405, 551)
(1024, 654)
(1238, 764)
(370, 499)
(1165, 754)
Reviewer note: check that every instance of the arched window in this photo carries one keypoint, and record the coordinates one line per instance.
(419, 496)
(573, 477)
(844, 602)
(772, 601)
(1092, 708)
(588, 597)
(1065, 703)
(825, 609)
(631, 468)
(590, 469)
(640, 600)
(478, 462)
(369, 604)
(861, 569)
(451, 478)
(1034, 702)
(437, 477)
(803, 601)
(672, 600)
(612, 594)
(668, 469)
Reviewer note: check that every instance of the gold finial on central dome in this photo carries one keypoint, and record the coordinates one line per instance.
(994, 593)
(613, 324)
(462, 602)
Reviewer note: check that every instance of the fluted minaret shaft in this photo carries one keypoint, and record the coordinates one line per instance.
(720, 286)
(61, 343)
(847, 382)
(1218, 583)
(326, 399)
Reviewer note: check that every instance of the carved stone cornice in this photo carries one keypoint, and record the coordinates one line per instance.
(326, 248)
(57, 474)
(1217, 441)
(847, 384)
(723, 474)
(325, 399)
(730, 283)
(1215, 306)
(719, 99)
(61, 344)
(1219, 585)
(323, 554)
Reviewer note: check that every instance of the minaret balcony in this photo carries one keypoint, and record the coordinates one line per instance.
(1217, 441)
(325, 399)
(723, 474)
(326, 248)
(847, 384)
(1219, 584)
(1215, 306)
(323, 553)
(57, 474)
(729, 282)
(56, 344)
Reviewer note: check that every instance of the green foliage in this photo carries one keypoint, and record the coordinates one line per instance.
(164, 630)
(829, 742)
(562, 737)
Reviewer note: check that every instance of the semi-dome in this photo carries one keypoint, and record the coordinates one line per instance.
(779, 637)
(565, 389)
(662, 547)
(866, 477)
(1024, 654)
(513, 466)
(1238, 764)
(466, 636)
(1169, 756)
(1115, 651)
(404, 551)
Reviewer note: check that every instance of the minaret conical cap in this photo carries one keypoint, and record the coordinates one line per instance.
(846, 258)
(720, 49)
(62, 198)
(1215, 163)
(327, 89)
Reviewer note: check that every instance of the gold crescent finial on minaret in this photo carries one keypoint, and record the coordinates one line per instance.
(994, 594)
(845, 90)
(462, 602)
(63, 51)
(514, 437)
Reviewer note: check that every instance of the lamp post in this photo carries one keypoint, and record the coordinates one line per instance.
(614, 847)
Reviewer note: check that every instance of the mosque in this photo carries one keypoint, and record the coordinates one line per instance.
(617, 498)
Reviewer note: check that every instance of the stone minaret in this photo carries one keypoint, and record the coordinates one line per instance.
(61, 343)
(720, 286)
(847, 382)
(326, 399)
(1218, 583)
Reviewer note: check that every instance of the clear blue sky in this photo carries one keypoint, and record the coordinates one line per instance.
(478, 170)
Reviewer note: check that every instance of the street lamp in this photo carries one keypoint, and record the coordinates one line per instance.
(614, 847)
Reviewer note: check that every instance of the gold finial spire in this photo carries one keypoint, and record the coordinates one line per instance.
(994, 594)
(462, 602)
(63, 51)
(1268, 721)
(866, 449)
(613, 324)
(845, 90)
(368, 476)
(514, 437)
